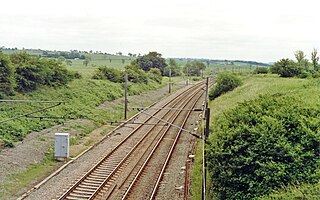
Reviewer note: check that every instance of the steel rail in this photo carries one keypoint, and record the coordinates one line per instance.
(173, 118)
(151, 154)
(69, 191)
(129, 154)
(155, 188)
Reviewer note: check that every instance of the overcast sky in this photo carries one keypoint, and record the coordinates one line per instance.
(260, 30)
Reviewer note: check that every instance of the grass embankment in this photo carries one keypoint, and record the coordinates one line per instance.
(304, 90)
(82, 98)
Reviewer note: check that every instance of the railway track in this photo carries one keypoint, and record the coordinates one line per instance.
(146, 149)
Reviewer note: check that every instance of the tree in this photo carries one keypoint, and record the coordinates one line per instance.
(68, 62)
(175, 69)
(315, 59)
(286, 68)
(155, 74)
(86, 61)
(7, 81)
(32, 72)
(151, 60)
(61, 59)
(301, 59)
(194, 68)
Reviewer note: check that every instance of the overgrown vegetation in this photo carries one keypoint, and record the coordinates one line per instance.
(134, 73)
(261, 70)
(302, 68)
(225, 82)
(307, 91)
(194, 68)
(264, 144)
(300, 191)
(23, 73)
(29, 77)
(149, 61)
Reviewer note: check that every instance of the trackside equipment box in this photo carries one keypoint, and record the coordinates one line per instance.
(61, 145)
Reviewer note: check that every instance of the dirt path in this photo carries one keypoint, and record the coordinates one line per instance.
(34, 147)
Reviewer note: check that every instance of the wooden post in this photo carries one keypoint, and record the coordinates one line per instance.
(125, 96)
(170, 81)
(205, 135)
(187, 76)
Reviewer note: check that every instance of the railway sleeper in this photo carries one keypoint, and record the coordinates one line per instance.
(103, 170)
(75, 198)
(92, 183)
(100, 174)
(80, 192)
(97, 176)
(89, 187)
(78, 196)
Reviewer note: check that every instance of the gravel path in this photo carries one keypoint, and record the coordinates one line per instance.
(33, 148)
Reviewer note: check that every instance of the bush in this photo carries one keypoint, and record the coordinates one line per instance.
(304, 74)
(32, 72)
(108, 73)
(135, 74)
(286, 68)
(7, 81)
(262, 145)
(316, 74)
(225, 82)
(261, 70)
(155, 74)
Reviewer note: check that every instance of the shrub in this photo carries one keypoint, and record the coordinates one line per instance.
(286, 68)
(316, 74)
(264, 144)
(7, 81)
(225, 82)
(155, 74)
(304, 74)
(261, 70)
(108, 73)
(135, 74)
(32, 72)
(196, 78)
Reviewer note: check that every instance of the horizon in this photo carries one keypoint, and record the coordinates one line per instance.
(115, 54)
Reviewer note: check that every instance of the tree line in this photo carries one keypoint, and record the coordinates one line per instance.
(21, 72)
(150, 65)
(302, 67)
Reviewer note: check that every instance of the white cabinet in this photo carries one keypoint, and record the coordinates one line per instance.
(61, 145)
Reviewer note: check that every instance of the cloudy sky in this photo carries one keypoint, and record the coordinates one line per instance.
(260, 30)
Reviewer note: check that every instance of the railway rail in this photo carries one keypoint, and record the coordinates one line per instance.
(142, 155)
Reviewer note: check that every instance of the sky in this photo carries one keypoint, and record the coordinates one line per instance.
(257, 30)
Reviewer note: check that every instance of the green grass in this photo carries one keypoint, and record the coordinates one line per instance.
(306, 90)
(27, 177)
(303, 192)
(82, 97)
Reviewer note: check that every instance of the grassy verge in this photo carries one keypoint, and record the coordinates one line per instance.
(27, 177)
(306, 90)
(82, 98)
(304, 191)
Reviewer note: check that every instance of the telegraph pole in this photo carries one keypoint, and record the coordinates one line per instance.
(187, 75)
(125, 96)
(170, 81)
(205, 135)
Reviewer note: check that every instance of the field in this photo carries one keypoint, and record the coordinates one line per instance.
(306, 90)
(117, 61)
